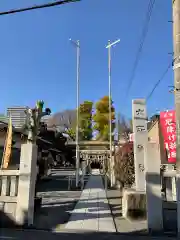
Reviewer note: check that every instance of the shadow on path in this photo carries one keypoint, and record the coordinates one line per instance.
(46, 235)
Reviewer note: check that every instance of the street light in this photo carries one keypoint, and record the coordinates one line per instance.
(77, 45)
(110, 44)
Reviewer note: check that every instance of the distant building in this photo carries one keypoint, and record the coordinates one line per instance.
(18, 116)
(45, 119)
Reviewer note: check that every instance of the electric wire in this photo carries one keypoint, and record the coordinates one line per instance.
(159, 80)
(47, 5)
(142, 41)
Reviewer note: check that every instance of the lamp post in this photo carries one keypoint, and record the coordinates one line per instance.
(110, 44)
(77, 45)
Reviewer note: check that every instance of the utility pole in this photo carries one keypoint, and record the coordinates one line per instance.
(110, 100)
(77, 45)
(77, 117)
(176, 40)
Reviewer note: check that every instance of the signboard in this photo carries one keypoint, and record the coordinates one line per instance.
(168, 128)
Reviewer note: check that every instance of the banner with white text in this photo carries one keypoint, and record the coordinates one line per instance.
(168, 128)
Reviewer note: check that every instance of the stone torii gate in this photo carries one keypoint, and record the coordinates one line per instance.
(95, 156)
(95, 152)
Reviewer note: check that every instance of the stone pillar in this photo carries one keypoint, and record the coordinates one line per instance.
(178, 201)
(140, 140)
(173, 182)
(27, 182)
(174, 195)
(168, 185)
(113, 179)
(153, 187)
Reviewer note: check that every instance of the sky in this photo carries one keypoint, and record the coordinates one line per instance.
(37, 61)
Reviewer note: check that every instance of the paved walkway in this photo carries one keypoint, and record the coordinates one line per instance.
(92, 212)
(57, 201)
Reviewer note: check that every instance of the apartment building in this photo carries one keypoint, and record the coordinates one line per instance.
(18, 116)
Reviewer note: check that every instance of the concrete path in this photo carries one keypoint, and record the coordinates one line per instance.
(92, 212)
(12, 234)
(57, 201)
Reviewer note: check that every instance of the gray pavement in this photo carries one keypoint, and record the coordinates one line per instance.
(37, 235)
(92, 211)
(57, 201)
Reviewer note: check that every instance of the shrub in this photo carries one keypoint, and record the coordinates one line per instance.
(124, 165)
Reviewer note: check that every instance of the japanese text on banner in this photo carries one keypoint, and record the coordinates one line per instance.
(168, 127)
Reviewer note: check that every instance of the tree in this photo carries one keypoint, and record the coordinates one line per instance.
(64, 120)
(85, 120)
(71, 132)
(124, 128)
(101, 118)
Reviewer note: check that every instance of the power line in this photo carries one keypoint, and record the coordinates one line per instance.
(38, 7)
(159, 80)
(142, 40)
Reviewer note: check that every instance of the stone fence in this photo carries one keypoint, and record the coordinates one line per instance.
(17, 189)
(9, 181)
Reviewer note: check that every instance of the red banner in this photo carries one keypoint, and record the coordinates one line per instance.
(168, 128)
